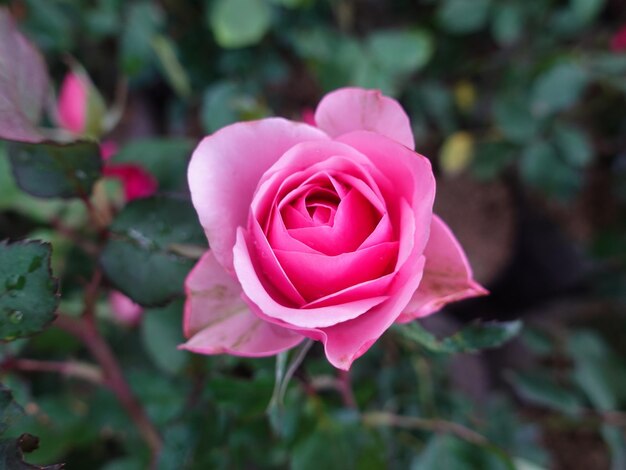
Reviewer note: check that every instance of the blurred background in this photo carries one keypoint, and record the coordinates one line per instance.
(521, 107)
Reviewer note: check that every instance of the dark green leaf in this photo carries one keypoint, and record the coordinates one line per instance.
(12, 454)
(541, 167)
(240, 23)
(28, 292)
(143, 21)
(539, 388)
(161, 334)
(451, 453)
(472, 338)
(558, 88)
(573, 145)
(587, 10)
(508, 23)
(340, 446)
(463, 16)
(10, 411)
(400, 51)
(166, 159)
(49, 169)
(514, 118)
(140, 258)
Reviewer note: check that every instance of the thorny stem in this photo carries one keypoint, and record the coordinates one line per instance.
(86, 331)
(77, 369)
(345, 389)
(435, 425)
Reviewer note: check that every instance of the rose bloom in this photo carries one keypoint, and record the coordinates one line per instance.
(323, 232)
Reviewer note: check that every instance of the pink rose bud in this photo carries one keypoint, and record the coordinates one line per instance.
(125, 311)
(322, 232)
(81, 108)
(136, 181)
(618, 42)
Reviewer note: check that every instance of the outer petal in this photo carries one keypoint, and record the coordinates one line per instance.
(447, 275)
(225, 170)
(354, 109)
(217, 320)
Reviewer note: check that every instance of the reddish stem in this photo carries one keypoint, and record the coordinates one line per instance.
(86, 331)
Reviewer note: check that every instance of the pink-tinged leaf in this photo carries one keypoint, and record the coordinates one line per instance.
(217, 320)
(23, 84)
(447, 275)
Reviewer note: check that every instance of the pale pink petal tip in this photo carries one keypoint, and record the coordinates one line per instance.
(355, 109)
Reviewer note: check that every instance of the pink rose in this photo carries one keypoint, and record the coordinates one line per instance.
(323, 232)
(125, 311)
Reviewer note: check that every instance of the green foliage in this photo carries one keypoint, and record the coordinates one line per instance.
(470, 339)
(141, 258)
(165, 159)
(28, 292)
(526, 94)
(55, 170)
(239, 23)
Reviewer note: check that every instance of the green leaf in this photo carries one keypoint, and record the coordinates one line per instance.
(491, 158)
(463, 16)
(400, 51)
(541, 167)
(240, 23)
(598, 371)
(161, 334)
(140, 258)
(508, 23)
(558, 88)
(12, 454)
(587, 10)
(143, 21)
(573, 145)
(451, 453)
(472, 338)
(10, 411)
(539, 388)
(23, 83)
(49, 169)
(174, 72)
(336, 445)
(28, 292)
(165, 158)
(514, 118)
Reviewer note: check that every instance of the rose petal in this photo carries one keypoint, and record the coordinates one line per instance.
(353, 109)
(268, 306)
(218, 321)
(226, 168)
(72, 106)
(354, 221)
(447, 275)
(410, 173)
(347, 341)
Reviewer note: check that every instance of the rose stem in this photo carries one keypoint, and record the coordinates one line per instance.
(87, 332)
(81, 370)
(345, 389)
